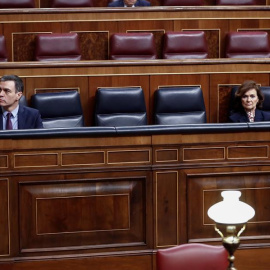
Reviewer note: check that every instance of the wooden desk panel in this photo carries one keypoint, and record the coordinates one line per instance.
(99, 212)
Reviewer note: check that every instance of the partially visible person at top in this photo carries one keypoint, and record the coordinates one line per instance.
(248, 104)
(13, 115)
(129, 3)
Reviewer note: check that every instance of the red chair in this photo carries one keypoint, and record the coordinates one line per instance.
(3, 50)
(17, 3)
(236, 2)
(182, 2)
(57, 47)
(192, 257)
(185, 45)
(68, 3)
(132, 46)
(247, 44)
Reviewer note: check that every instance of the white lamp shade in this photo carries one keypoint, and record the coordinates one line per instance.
(231, 210)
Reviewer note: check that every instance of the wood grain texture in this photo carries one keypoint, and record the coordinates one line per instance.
(92, 214)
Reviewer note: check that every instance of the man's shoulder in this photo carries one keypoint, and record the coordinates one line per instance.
(144, 2)
(118, 3)
(28, 110)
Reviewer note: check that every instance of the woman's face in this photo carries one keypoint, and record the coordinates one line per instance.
(250, 100)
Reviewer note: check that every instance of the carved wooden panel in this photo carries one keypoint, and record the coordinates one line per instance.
(4, 217)
(204, 191)
(3, 161)
(82, 215)
(246, 152)
(166, 155)
(224, 92)
(166, 208)
(129, 156)
(207, 153)
(35, 160)
(83, 158)
(94, 45)
(24, 46)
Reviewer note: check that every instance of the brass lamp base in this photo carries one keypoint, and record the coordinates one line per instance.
(230, 239)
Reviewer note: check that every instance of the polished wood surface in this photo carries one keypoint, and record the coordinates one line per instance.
(96, 201)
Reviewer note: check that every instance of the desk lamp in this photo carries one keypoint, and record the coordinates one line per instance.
(230, 216)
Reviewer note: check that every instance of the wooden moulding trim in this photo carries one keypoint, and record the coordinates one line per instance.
(113, 63)
(138, 9)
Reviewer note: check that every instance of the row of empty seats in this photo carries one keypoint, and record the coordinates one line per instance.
(91, 3)
(141, 46)
(121, 107)
(125, 106)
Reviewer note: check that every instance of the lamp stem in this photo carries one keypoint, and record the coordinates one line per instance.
(231, 242)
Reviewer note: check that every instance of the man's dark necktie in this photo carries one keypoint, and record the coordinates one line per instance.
(9, 124)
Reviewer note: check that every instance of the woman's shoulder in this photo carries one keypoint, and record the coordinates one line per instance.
(238, 116)
(265, 115)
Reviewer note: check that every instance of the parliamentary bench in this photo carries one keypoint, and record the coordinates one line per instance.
(101, 196)
(135, 131)
(94, 26)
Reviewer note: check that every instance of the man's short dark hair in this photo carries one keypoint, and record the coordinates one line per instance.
(16, 79)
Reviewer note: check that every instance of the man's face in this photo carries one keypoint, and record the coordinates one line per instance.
(9, 98)
(130, 3)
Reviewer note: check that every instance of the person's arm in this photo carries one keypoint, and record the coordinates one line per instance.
(38, 123)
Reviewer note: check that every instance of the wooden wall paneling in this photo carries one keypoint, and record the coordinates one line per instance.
(209, 2)
(89, 25)
(94, 45)
(155, 2)
(220, 87)
(249, 24)
(94, 37)
(102, 3)
(4, 217)
(116, 262)
(85, 213)
(45, 3)
(21, 38)
(249, 259)
(206, 188)
(166, 192)
(59, 84)
(146, 25)
(121, 80)
(181, 80)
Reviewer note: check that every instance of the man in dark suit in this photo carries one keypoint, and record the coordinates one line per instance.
(13, 115)
(129, 3)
